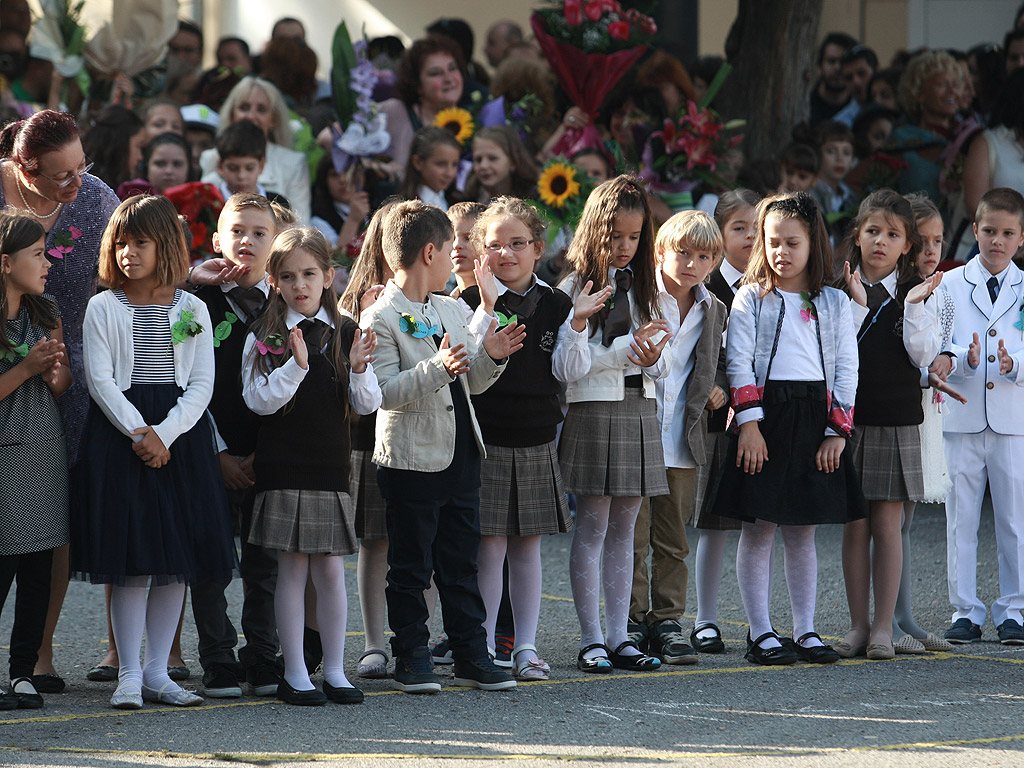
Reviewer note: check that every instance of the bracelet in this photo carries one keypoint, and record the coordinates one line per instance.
(188, 278)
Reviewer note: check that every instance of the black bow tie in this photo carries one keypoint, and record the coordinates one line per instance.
(316, 334)
(249, 300)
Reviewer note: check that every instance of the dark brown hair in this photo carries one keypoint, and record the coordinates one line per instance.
(799, 206)
(409, 226)
(424, 142)
(895, 208)
(524, 172)
(1001, 199)
(16, 234)
(409, 68)
(154, 218)
(368, 269)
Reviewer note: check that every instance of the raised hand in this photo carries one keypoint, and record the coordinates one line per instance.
(855, 285)
(588, 304)
(974, 352)
(507, 341)
(361, 353)
(217, 272)
(646, 353)
(367, 299)
(485, 282)
(454, 359)
(1005, 361)
(645, 332)
(924, 289)
(298, 347)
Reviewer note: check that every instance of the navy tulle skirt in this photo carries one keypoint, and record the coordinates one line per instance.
(171, 523)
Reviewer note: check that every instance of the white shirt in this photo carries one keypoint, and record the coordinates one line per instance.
(798, 358)
(670, 392)
(731, 274)
(430, 197)
(921, 336)
(267, 395)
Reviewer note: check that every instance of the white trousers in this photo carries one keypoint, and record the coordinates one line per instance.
(973, 459)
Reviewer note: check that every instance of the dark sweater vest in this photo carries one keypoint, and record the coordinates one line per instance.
(235, 422)
(305, 445)
(521, 408)
(889, 389)
(721, 290)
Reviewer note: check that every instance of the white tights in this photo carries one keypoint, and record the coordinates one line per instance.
(524, 578)
(708, 576)
(133, 612)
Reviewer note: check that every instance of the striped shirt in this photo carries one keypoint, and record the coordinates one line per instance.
(151, 339)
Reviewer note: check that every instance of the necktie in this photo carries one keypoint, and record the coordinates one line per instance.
(249, 300)
(876, 296)
(618, 321)
(993, 289)
(316, 334)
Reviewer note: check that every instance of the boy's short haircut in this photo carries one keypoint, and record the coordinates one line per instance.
(409, 226)
(1001, 199)
(283, 215)
(860, 53)
(840, 39)
(832, 130)
(242, 138)
(469, 210)
(801, 157)
(243, 201)
(694, 230)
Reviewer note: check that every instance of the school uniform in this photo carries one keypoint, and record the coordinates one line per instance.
(984, 439)
(698, 364)
(428, 449)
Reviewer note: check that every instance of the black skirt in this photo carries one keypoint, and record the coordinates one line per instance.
(171, 523)
(790, 489)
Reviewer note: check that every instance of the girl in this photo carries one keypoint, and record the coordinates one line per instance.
(167, 162)
(149, 367)
(736, 216)
(432, 167)
(296, 374)
(886, 450)
(907, 635)
(162, 115)
(610, 449)
(338, 210)
(793, 373)
(34, 493)
(521, 495)
(501, 165)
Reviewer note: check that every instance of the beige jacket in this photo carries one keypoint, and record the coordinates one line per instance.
(416, 420)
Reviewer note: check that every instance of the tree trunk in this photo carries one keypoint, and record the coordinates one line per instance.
(771, 47)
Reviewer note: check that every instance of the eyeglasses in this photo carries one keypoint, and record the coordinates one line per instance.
(72, 175)
(515, 245)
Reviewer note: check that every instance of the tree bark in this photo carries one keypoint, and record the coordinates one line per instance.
(771, 47)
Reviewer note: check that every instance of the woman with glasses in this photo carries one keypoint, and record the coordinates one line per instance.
(44, 174)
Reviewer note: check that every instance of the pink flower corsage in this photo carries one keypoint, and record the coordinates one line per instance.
(64, 242)
(272, 345)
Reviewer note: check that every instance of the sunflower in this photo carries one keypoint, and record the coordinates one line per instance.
(458, 121)
(557, 184)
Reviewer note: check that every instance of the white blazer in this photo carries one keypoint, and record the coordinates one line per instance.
(993, 401)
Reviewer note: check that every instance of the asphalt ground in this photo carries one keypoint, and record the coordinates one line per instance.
(952, 709)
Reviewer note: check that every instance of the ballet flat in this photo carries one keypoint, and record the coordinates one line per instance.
(933, 642)
(127, 696)
(908, 644)
(880, 651)
(848, 651)
(171, 693)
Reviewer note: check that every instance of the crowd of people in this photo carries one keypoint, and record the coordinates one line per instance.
(214, 326)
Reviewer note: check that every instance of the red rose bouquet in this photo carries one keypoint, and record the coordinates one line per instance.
(200, 204)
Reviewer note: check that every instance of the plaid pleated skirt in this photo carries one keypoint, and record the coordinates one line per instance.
(613, 448)
(704, 516)
(888, 461)
(366, 499)
(521, 492)
(308, 522)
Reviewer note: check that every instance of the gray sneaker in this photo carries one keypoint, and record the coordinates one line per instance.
(414, 672)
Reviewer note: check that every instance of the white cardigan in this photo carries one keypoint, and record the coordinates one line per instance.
(109, 357)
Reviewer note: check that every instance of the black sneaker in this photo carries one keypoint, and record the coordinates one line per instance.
(442, 652)
(482, 674)
(668, 643)
(414, 672)
(639, 635)
(1010, 633)
(962, 632)
(220, 682)
(263, 677)
(503, 646)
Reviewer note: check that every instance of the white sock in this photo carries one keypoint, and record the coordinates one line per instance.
(128, 620)
(585, 566)
(163, 609)
(490, 566)
(618, 569)
(801, 562)
(328, 572)
(371, 578)
(708, 576)
(753, 565)
(290, 611)
(524, 580)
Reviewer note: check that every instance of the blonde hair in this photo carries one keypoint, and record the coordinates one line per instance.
(154, 218)
(920, 68)
(240, 201)
(690, 229)
(507, 207)
(281, 133)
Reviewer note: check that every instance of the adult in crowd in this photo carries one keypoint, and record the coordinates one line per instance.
(44, 174)
(500, 36)
(830, 93)
(858, 66)
(459, 30)
(996, 158)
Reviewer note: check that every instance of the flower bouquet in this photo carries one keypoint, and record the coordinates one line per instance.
(353, 79)
(590, 45)
(59, 37)
(200, 204)
(562, 190)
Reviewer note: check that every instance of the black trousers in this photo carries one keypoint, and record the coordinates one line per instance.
(30, 605)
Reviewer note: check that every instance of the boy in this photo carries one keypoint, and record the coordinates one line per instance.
(835, 142)
(799, 165)
(984, 438)
(463, 217)
(241, 157)
(428, 449)
(201, 124)
(245, 231)
(688, 247)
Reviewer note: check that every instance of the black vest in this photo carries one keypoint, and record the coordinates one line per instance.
(723, 292)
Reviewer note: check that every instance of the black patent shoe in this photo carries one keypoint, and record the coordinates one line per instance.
(634, 663)
(599, 664)
(707, 644)
(769, 657)
(29, 699)
(816, 654)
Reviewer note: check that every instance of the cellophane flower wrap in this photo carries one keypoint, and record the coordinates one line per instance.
(562, 191)
(361, 131)
(590, 45)
(200, 203)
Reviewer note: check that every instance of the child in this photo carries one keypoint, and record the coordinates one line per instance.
(149, 366)
(687, 248)
(167, 162)
(833, 195)
(610, 450)
(428, 449)
(339, 210)
(245, 231)
(432, 167)
(302, 388)
(793, 373)
(984, 438)
(736, 216)
(162, 115)
(887, 296)
(799, 164)
(34, 493)
(521, 495)
(501, 165)
(463, 217)
(594, 162)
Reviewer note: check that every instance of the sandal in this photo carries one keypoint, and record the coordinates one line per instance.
(636, 663)
(599, 664)
(769, 657)
(373, 670)
(533, 667)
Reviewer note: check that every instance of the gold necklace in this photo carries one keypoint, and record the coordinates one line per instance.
(17, 183)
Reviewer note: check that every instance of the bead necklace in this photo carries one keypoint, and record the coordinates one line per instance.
(17, 183)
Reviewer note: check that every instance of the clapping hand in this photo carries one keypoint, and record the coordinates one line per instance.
(454, 359)
(855, 285)
(361, 353)
(507, 341)
(588, 304)
(924, 289)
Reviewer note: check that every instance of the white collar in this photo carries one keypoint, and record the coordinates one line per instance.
(700, 290)
(612, 271)
(730, 273)
(502, 288)
(888, 282)
(263, 285)
(294, 318)
(985, 274)
(429, 196)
